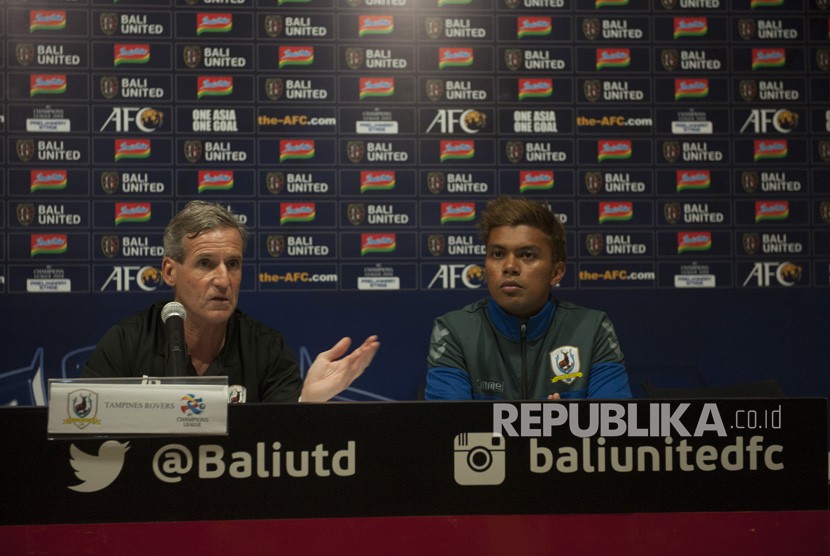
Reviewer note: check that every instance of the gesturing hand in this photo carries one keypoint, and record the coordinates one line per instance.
(329, 375)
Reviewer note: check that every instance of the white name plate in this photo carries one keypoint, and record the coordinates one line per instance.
(100, 408)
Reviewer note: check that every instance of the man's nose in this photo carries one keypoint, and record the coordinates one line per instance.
(511, 265)
(221, 276)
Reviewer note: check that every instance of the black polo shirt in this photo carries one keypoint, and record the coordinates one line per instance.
(254, 356)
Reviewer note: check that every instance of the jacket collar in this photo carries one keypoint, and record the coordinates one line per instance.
(509, 326)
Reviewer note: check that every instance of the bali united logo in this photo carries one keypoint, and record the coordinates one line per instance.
(193, 150)
(355, 151)
(274, 25)
(110, 245)
(595, 244)
(435, 182)
(356, 213)
(275, 244)
(109, 23)
(25, 149)
(436, 244)
(25, 53)
(354, 57)
(564, 364)
(274, 181)
(434, 89)
(109, 87)
(82, 407)
(192, 56)
(513, 58)
(434, 27)
(25, 213)
(109, 182)
(274, 87)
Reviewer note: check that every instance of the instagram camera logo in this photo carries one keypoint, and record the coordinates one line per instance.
(479, 458)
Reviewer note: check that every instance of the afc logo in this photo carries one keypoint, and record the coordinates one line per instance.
(128, 278)
(147, 120)
(456, 276)
(766, 274)
(768, 120)
(455, 120)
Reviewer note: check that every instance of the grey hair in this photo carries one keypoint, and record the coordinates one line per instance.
(196, 218)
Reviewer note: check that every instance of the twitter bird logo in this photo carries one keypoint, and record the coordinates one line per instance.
(97, 471)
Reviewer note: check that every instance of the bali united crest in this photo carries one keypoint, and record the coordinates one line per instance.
(275, 244)
(192, 56)
(109, 182)
(274, 87)
(108, 86)
(110, 245)
(274, 25)
(436, 244)
(25, 53)
(564, 364)
(109, 23)
(275, 182)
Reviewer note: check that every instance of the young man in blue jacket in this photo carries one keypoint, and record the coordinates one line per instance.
(522, 343)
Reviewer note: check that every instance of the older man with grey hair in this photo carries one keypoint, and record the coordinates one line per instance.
(203, 253)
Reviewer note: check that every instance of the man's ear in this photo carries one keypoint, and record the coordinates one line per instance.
(557, 274)
(168, 271)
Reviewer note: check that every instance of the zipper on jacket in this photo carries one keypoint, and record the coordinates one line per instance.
(523, 350)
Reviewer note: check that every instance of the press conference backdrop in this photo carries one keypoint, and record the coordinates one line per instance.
(684, 144)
